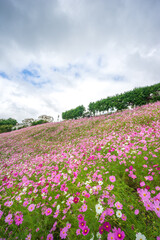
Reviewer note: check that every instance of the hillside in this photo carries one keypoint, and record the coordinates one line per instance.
(91, 178)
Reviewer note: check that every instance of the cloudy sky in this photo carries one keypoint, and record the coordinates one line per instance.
(58, 54)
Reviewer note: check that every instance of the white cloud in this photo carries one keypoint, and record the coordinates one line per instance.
(81, 51)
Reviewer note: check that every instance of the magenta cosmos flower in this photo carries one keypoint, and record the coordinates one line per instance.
(76, 200)
(101, 229)
(31, 207)
(107, 226)
(80, 217)
(85, 231)
(82, 224)
(118, 234)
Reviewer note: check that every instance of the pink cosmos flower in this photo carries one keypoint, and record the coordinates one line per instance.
(54, 204)
(101, 219)
(9, 204)
(142, 184)
(31, 207)
(68, 225)
(8, 218)
(18, 219)
(156, 208)
(56, 214)
(25, 203)
(112, 178)
(110, 236)
(85, 231)
(136, 212)
(124, 218)
(48, 211)
(110, 211)
(110, 187)
(144, 194)
(18, 198)
(1, 213)
(78, 231)
(50, 237)
(10, 222)
(118, 205)
(63, 233)
(84, 208)
(87, 195)
(28, 236)
(69, 201)
(148, 205)
(57, 196)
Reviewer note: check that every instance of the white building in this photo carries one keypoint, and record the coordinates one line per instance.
(46, 118)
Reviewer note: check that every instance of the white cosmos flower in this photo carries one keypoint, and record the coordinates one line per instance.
(58, 207)
(90, 190)
(100, 182)
(98, 235)
(140, 236)
(119, 214)
(99, 208)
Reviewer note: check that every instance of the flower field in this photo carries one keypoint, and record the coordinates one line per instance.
(91, 178)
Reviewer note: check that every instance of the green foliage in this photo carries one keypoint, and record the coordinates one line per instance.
(136, 97)
(5, 128)
(74, 113)
(7, 124)
(9, 121)
(38, 122)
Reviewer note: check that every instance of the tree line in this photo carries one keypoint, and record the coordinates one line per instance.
(136, 97)
(7, 124)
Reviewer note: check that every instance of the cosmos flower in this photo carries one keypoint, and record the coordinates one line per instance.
(50, 237)
(85, 231)
(48, 211)
(119, 214)
(31, 207)
(118, 234)
(99, 208)
(140, 236)
(107, 226)
(112, 178)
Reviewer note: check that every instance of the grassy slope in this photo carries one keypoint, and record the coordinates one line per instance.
(75, 152)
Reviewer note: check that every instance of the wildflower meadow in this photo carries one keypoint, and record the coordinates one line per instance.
(91, 178)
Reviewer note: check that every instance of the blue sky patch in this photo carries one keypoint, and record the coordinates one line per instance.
(4, 75)
(28, 73)
(118, 78)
